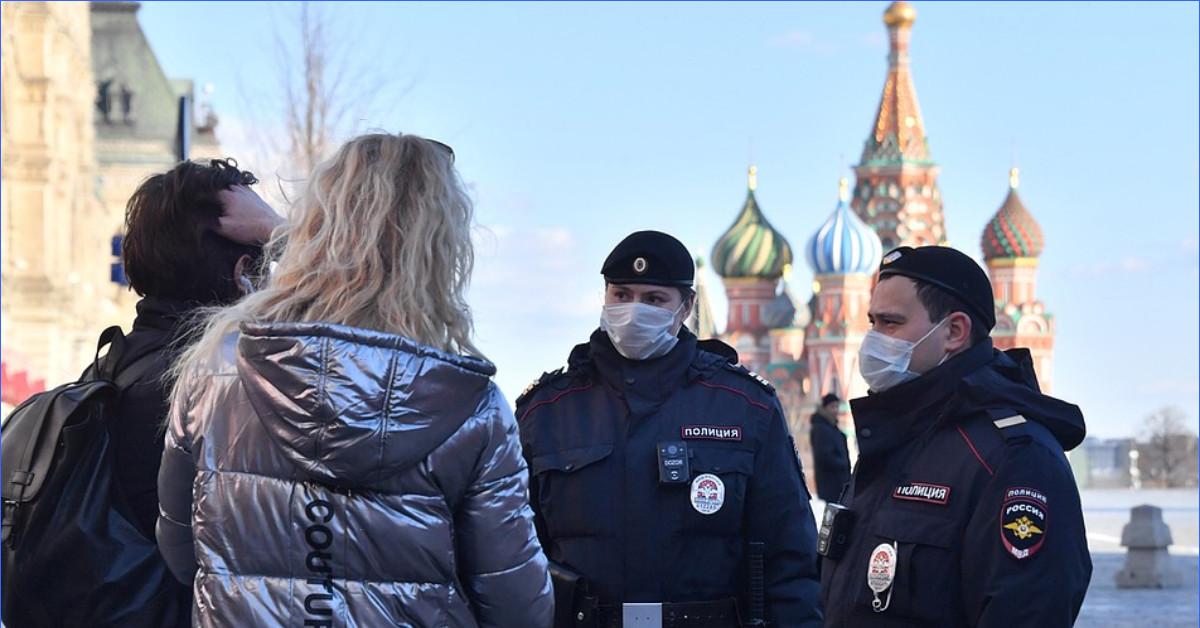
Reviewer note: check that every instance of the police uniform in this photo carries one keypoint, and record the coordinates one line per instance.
(650, 479)
(962, 508)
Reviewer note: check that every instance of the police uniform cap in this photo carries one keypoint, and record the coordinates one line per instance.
(650, 257)
(948, 269)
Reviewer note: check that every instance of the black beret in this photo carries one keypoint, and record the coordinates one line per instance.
(948, 269)
(829, 398)
(651, 257)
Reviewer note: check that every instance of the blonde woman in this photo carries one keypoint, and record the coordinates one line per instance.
(337, 453)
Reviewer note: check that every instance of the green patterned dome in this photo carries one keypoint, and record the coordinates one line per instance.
(1012, 232)
(751, 247)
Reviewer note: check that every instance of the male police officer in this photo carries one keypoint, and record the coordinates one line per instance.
(665, 485)
(962, 510)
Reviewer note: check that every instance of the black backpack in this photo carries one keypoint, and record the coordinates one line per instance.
(72, 554)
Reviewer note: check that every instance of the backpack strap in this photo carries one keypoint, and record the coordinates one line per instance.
(108, 367)
(115, 339)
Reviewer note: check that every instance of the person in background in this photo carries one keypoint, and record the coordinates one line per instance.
(831, 456)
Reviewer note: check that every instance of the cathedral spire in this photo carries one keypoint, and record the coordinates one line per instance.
(895, 189)
(899, 133)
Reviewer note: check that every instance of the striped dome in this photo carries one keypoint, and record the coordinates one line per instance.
(1012, 232)
(844, 245)
(751, 247)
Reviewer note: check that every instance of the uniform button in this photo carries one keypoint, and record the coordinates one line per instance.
(629, 381)
(865, 432)
(568, 467)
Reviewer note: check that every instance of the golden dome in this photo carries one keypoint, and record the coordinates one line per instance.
(900, 14)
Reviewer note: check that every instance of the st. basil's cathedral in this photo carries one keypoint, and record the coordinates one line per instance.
(809, 348)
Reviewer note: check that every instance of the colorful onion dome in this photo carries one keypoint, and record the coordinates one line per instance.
(844, 245)
(1012, 232)
(751, 247)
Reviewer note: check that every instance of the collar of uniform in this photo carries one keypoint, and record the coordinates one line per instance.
(657, 377)
(885, 420)
(162, 314)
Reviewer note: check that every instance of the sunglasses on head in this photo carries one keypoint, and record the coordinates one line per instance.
(445, 147)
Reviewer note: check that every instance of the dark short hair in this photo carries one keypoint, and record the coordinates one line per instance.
(939, 304)
(829, 398)
(170, 248)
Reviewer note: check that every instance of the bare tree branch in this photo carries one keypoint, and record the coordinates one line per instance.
(1167, 449)
(323, 91)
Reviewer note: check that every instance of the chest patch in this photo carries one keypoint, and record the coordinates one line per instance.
(923, 492)
(712, 432)
(1023, 520)
(707, 494)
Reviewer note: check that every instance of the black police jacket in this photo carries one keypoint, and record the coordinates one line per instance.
(831, 457)
(591, 433)
(963, 472)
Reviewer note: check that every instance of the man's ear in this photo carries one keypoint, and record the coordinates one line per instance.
(239, 275)
(959, 326)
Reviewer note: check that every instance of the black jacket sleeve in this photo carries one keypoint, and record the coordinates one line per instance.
(780, 516)
(1029, 564)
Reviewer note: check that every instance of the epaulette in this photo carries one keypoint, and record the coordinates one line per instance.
(741, 370)
(538, 383)
(1012, 426)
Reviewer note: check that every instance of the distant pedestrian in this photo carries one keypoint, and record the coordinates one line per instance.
(831, 455)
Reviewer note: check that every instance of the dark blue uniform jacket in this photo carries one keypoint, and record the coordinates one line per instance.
(590, 434)
(964, 471)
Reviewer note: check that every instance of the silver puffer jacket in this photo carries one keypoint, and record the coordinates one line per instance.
(332, 476)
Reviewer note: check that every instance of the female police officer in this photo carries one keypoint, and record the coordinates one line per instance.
(664, 483)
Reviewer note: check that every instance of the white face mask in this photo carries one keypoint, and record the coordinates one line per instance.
(639, 331)
(884, 360)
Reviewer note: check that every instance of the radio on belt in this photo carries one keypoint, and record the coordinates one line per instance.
(673, 465)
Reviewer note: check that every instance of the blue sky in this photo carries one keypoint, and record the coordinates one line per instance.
(576, 123)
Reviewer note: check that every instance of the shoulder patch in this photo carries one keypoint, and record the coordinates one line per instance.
(538, 383)
(1023, 521)
(745, 372)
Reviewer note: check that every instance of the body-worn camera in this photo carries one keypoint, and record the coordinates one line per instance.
(834, 534)
(673, 465)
